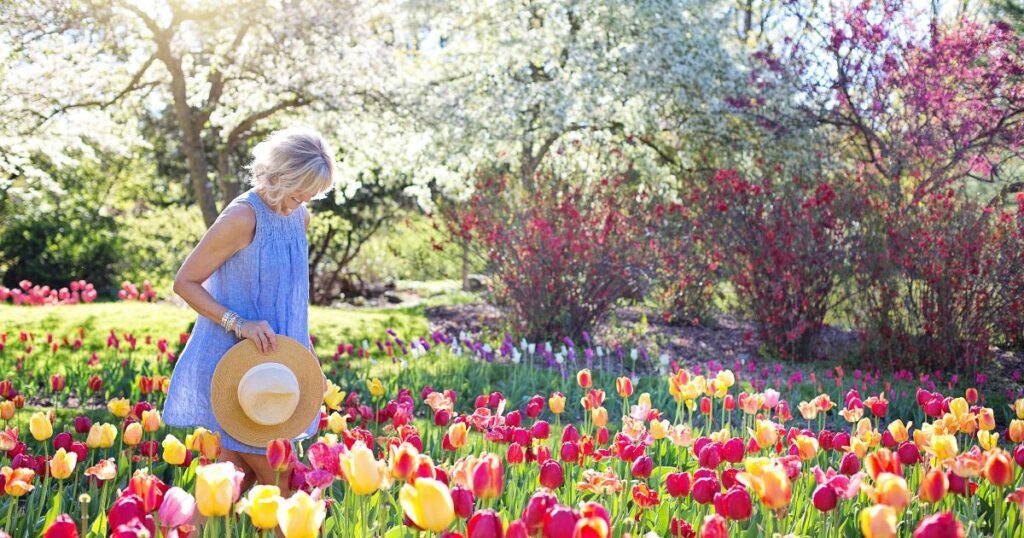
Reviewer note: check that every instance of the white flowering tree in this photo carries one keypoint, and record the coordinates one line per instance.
(227, 69)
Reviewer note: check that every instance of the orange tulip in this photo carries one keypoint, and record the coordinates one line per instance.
(403, 461)
(205, 442)
(624, 386)
(882, 461)
(457, 434)
(986, 420)
(807, 447)
(103, 471)
(934, 486)
(999, 468)
(18, 481)
(584, 379)
(592, 527)
(63, 464)
(132, 434)
(769, 480)
(151, 420)
(7, 410)
(878, 521)
(890, 490)
(488, 477)
(279, 454)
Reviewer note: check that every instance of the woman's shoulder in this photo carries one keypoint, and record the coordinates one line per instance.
(237, 221)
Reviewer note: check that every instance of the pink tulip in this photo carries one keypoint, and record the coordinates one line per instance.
(177, 509)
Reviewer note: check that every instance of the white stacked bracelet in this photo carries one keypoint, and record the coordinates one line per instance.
(232, 322)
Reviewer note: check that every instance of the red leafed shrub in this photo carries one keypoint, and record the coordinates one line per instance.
(688, 266)
(565, 253)
(945, 285)
(784, 245)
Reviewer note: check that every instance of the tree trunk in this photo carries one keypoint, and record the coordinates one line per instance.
(229, 187)
(191, 134)
(465, 264)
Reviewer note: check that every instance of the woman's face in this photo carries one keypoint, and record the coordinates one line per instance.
(293, 200)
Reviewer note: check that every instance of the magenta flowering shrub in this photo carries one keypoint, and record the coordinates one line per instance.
(785, 243)
(131, 292)
(78, 291)
(564, 256)
(688, 268)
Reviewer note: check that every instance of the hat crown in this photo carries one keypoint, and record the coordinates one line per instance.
(268, 393)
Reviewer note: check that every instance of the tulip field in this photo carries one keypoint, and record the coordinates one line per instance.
(436, 434)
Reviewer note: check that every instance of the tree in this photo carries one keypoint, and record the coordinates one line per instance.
(226, 69)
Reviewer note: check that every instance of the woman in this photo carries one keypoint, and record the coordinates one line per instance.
(247, 278)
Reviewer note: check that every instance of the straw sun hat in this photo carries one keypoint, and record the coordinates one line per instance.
(258, 398)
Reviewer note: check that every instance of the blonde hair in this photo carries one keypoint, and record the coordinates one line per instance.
(294, 159)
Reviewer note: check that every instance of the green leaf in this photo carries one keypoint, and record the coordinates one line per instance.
(99, 526)
(394, 532)
(54, 511)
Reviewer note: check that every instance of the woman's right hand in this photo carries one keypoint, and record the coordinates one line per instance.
(261, 334)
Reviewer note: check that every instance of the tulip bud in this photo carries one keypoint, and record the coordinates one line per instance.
(825, 498)
(934, 486)
(537, 510)
(849, 464)
(462, 499)
(998, 468)
(551, 475)
(678, 484)
(642, 467)
(941, 525)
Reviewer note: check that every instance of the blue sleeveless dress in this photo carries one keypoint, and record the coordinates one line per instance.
(266, 280)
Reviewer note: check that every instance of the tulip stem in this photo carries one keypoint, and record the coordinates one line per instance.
(10, 511)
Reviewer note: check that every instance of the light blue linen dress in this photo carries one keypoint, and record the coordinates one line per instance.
(266, 280)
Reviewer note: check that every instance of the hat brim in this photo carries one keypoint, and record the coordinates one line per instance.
(236, 362)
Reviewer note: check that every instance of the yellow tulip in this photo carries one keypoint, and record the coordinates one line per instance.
(808, 410)
(878, 521)
(300, 516)
(217, 488)
(769, 480)
(120, 407)
(659, 429)
(1017, 430)
(376, 388)
(557, 403)
(334, 396)
(987, 439)
(600, 417)
(726, 378)
(40, 427)
(1018, 408)
(944, 447)
(262, 505)
(898, 431)
(205, 442)
(151, 420)
(133, 434)
(63, 464)
(364, 473)
(336, 423)
(806, 446)
(174, 450)
(766, 435)
(428, 503)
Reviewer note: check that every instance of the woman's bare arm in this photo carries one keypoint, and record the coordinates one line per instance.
(232, 231)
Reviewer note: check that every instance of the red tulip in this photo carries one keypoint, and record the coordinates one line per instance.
(516, 529)
(849, 464)
(561, 522)
(705, 405)
(488, 477)
(734, 504)
(934, 486)
(537, 510)
(62, 527)
(704, 489)
(462, 499)
(825, 498)
(279, 454)
(82, 424)
(678, 484)
(941, 525)
(591, 527)
(908, 453)
(972, 395)
(998, 468)
(56, 382)
(485, 524)
(732, 450)
(514, 455)
(540, 429)
(680, 528)
(535, 406)
(570, 435)
(570, 452)
(710, 456)
(642, 467)
(714, 526)
(551, 474)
